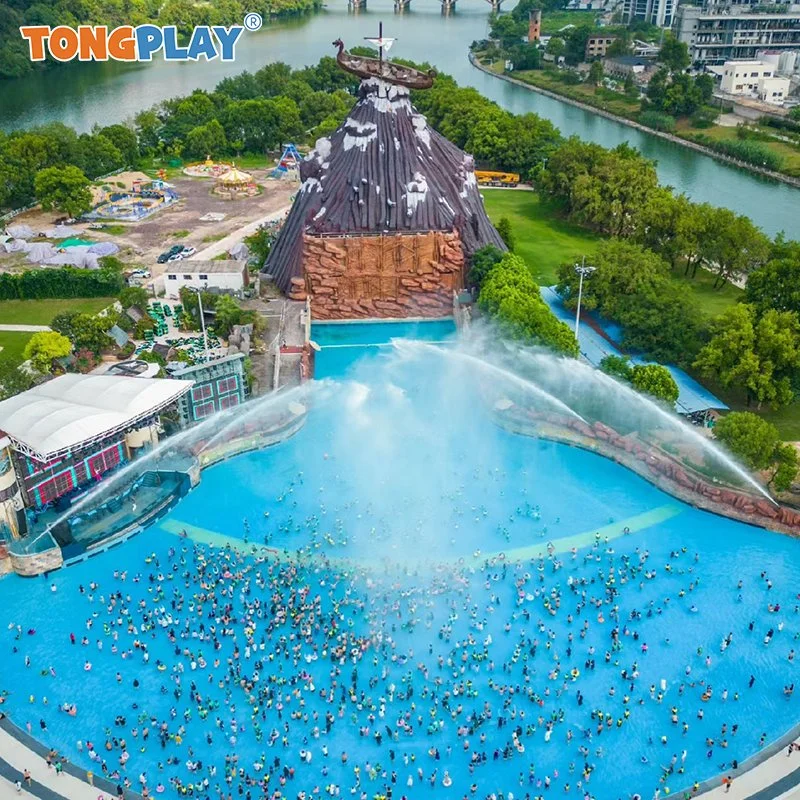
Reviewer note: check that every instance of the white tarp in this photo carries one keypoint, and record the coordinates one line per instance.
(104, 248)
(39, 252)
(61, 232)
(20, 231)
(239, 252)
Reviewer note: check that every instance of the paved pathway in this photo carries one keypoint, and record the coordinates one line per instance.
(223, 245)
(24, 328)
(46, 784)
(776, 778)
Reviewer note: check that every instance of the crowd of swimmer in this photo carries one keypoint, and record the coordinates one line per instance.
(246, 675)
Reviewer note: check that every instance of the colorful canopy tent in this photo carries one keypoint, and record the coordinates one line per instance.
(235, 177)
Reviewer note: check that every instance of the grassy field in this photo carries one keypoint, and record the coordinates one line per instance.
(712, 301)
(554, 21)
(41, 312)
(542, 239)
(12, 345)
(789, 153)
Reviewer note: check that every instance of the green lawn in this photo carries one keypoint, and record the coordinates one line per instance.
(41, 312)
(543, 239)
(712, 301)
(12, 345)
(554, 21)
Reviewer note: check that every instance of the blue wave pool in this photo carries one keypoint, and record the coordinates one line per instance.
(392, 659)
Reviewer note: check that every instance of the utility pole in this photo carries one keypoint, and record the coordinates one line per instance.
(583, 271)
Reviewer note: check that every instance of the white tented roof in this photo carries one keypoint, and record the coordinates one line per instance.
(71, 410)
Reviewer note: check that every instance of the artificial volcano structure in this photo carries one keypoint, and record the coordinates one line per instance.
(388, 210)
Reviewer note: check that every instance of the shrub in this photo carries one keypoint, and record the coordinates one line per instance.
(657, 120)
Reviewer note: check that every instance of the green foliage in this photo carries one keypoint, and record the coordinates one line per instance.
(481, 263)
(674, 55)
(206, 140)
(228, 313)
(134, 297)
(631, 285)
(704, 118)
(604, 189)
(655, 380)
(146, 323)
(657, 120)
(505, 231)
(152, 358)
(260, 242)
(750, 438)
(37, 284)
(12, 379)
(507, 30)
(63, 188)
(617, 366)
(511, 297)
(596, 73)
(760, 354)
(747, 150)
(45, 346)
(794, 114)
(786, 471)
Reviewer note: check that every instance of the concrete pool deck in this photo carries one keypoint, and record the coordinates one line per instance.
(16, 755)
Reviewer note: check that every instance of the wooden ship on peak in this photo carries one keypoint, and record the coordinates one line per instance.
(388, 212)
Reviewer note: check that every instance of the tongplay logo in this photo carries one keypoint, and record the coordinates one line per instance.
(129, 43)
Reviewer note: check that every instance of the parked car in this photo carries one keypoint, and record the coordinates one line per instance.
(167, 254)
(139, 273)
(188, 251)
(175, 257)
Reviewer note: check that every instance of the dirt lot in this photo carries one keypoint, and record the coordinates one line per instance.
(142, 242)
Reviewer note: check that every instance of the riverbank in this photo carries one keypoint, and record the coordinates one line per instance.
(670, 137)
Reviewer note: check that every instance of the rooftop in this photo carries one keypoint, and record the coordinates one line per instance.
(186, 267)
(51, 419)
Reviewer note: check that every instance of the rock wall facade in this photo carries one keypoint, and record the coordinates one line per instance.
(399, 275)
(657, 467)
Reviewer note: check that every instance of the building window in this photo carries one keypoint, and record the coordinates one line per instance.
(200, 393)
(203, 277)
(204, 410)
(226, 385)
(172, 277)
(187, 277)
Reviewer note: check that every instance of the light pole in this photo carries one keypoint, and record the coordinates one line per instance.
(199, 294)
(582, 271)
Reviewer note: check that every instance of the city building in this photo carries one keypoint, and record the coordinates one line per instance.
(716, 34)
(388, 213)
(225, 276)
(66, 433)
(656, 12)
(754, 79)
(619, 67)
(217, 385)
(597, 45)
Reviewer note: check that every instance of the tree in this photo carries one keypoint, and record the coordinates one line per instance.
(655, 380)
(631, 88)
(124, 139)
(481, 263)
(507, 30)
(260, 242)
(759, 354)
(795, 113)
(777, 283)
(45, 346)
(134, 297)
(63, 188)
(758, 444)
(705, 84)
(735, 245)
(505, 231)
(555, 47)
(97, 155)
(576, 41)
(12, 379)
(749, 437)
(596, 73)
(91, 333)
(511, 297)
(203, 140)
(617, 367)
(674, 54)
(63, 323)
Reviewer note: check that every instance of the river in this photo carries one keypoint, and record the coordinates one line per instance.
(86, 94)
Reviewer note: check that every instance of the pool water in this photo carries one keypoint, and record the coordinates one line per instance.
(503, 676)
